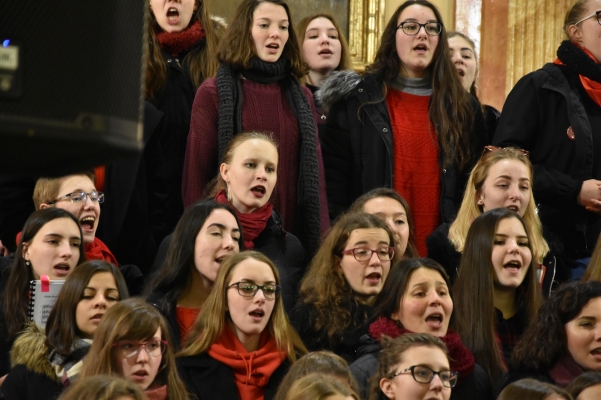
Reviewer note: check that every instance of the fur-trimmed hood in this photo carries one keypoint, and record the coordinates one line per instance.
(336, 87)
(30, 350)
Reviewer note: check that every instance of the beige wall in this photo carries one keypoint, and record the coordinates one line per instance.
(446, 8)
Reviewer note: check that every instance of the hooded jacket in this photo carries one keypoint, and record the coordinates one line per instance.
(32, 376)
(357, 144)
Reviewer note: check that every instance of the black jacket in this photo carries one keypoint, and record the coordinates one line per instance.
(208, 378)
(475, 386)
(357, 145)
(344, 344)
(536, 117)
(168, 311)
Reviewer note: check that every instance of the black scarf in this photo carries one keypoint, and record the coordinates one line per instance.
(577, 62)
(229, 89)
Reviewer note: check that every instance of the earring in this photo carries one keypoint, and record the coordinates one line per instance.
(27, 263)
(228, 193)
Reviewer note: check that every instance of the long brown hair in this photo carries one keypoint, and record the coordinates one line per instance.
(474, 292)
(449, 110)
(201, 62)
(326, 290)
(61, 327)
(132, 319)
(237, 46)
(212, 318)
(301, 29)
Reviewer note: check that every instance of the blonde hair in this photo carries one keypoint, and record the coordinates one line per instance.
(318, 387)
(102, 387)
(470, 209)
(211, 321)
(46, 189)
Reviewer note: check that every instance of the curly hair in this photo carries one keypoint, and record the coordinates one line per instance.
(324, 289)
(449, 109)
(545, 340)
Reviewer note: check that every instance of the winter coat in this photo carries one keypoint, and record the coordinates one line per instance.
(357, 145)
(208, 378)
(32, 376)
(345, 344)
(167, 309)
(549, 114)
(475, 386)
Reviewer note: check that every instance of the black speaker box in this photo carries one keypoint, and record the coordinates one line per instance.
(71, 84)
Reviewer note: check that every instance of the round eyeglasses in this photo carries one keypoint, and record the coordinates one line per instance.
(249, 290)
(422, 374)
(595, 14)
(364, 254)
(129, 348)
(80, 196)
(412, 28)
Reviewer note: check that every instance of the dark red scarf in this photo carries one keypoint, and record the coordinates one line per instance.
(568, 54)
(252, 223)
(460, 358)
(565, 371)
(97, 250)
(176, 42)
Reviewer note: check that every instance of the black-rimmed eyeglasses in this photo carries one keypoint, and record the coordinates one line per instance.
(412, 28)
(596, 13)
(129, 348)
(384, 253)
(81, 196)
(422, 374)
(247, 289)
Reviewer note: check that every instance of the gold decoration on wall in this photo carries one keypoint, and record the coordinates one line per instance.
(366, 24)
(534, 32)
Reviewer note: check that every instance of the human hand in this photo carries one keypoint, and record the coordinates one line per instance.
(590, 195)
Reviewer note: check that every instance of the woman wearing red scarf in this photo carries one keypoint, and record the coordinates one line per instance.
(246, 181)
(416, 298)
(242, 344)
(555, 114)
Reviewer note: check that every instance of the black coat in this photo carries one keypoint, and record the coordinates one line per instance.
(536, 117)
(475, 386)
(357, 146)
(281, 247)
(168, 311)
(344, 344)
(208, 378)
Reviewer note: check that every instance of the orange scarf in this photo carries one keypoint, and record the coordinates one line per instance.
(592, 88)
(251, 370)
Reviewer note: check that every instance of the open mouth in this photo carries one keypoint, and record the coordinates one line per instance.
(140, 375)
(420, 47)
(513, 265)
(62, 268)
(273, 47)
(259, 190)
(513, 208)
(258, 313)
(326, 52)
(172, 13)
(374, 278)
(219, 260)
(461, 73)
(97, 317)
(435, 319)
(87, 222)
(596, 352)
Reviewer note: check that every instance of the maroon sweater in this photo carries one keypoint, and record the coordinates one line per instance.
(265, 108)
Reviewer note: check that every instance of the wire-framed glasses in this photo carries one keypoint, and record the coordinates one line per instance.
(596, 13)
(249, 289)
(384, 253)
(422, 374)
(81, 196)
(129, 348)
(411, 28)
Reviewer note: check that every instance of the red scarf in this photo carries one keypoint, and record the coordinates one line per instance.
(157, 393)
(460, 358)
(592, 88)
(251, 370)
(565, 371)
(252, 223)
(176, 42)
(98, 251)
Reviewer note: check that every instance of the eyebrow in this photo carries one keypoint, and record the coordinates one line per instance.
(59, 236)
(222, 227)
(426, 282)
(415, 20)
(269, 19)
(245, 280)
(508, 177)
(95, 289)
(365, 242)
(505, 236)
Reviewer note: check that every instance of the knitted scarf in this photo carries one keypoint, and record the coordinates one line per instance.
(460, 358)
(67, 368)
(565, 371)
(176, 42)
(229, 88)
(252, 223)
(582, 62)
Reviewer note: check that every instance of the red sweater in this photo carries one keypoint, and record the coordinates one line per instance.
(416, 169)
(265, 108)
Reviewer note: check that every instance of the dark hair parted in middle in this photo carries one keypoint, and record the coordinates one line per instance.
(531, 389)
(474, 292)
(450, 110)
(61, 327)
(545, 340)
(396, 285)
(237, 47)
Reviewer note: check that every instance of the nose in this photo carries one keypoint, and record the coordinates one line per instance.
(435, 297)
(261, 174)
(421, 32)
(259, 296)
(66, 250)
(228, 242)
(100, 301)
(456, 58)
(514, 193)
(274, 31)
(436, 384)
(142, 356)
(374, 260)
(325, 38)
(88, 203)
(513, 247)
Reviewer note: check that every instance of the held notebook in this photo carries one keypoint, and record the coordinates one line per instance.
(43, 294)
